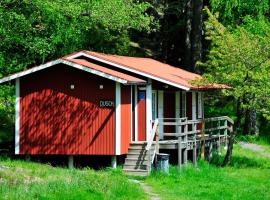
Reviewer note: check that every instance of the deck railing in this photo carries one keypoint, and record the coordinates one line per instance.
(194, 131)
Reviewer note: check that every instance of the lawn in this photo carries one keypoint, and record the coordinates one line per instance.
(26, 180)
(248, 177)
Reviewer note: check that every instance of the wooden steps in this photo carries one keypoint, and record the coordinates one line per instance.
(136, 162)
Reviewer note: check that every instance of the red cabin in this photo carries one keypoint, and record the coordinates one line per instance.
(89, 103)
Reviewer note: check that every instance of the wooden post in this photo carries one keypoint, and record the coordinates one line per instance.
(195, 145)
(219, 143)
(210, 154)
(70, 162)
(157, 141)
(226, 133)
(186, 141)
(149, 160)
(179, 152)
(203, 140)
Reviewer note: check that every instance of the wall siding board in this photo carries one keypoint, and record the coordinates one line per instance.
(125, 118)
(58, 120)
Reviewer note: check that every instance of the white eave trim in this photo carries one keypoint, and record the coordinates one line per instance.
(77, 66)
(130, 70)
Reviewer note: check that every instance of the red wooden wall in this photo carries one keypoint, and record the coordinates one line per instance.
(125, 118)
(58, 120)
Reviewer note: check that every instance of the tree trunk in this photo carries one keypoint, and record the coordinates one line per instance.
(197, 26)
(250, 127)
(239, 114)
(188, 39)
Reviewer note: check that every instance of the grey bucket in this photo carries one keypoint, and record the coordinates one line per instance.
(162, 163)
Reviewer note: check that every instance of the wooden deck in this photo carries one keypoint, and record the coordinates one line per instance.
(199, 136)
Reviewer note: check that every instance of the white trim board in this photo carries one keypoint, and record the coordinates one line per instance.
(148, 109)
(59, 61)
(130, 70)
(117, 118)
(136, 112)
(17, 117)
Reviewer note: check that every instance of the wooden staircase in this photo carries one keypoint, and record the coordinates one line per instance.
(137, 161)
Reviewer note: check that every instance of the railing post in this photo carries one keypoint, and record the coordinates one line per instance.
(149, 161)
(226, 132)
(186, 142)
(219, 143)
(179, 149)
(195, 144)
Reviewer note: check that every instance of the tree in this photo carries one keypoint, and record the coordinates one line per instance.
(239, 59)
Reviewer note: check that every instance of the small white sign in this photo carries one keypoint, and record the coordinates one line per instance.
(106, 103)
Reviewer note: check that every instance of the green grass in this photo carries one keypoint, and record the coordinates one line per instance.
(27, 180)
(248, 177)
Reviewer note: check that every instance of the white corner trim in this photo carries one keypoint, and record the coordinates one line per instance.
(17, 117)
(136, 112)
(130, 70)
(148, 109)
(77, 66)
(194, 111)
(160, 112)
(117, 118)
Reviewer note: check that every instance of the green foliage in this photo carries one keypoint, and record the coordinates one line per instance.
(239, 59)
(233, 12)
(35, 31)
(27, 180)
(246, 178)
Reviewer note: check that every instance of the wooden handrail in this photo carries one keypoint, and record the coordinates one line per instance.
(152, 136)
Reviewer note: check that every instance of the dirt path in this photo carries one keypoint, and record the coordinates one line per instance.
(147, 189)
(255, 147)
